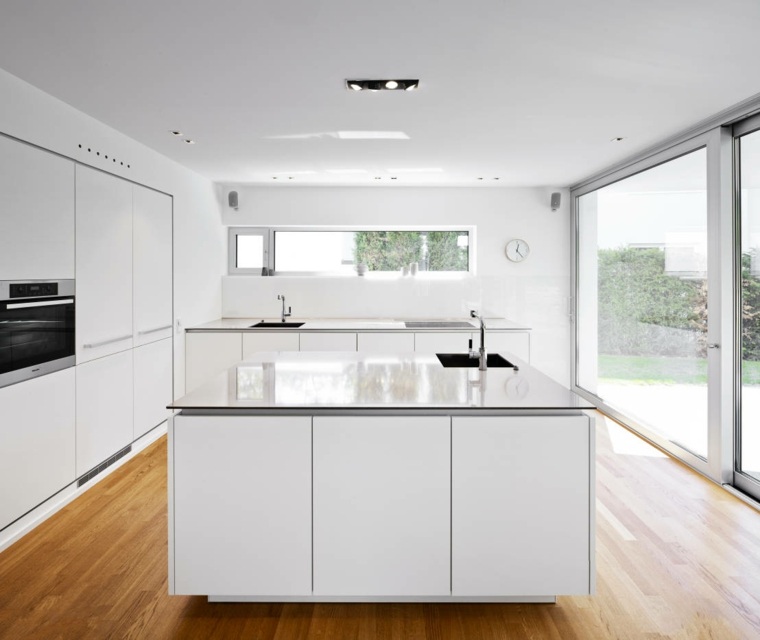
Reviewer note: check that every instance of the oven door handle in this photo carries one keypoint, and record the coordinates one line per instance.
(93, 345)
(41, 303)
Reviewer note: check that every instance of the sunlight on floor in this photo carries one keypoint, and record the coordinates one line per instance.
(626, 443)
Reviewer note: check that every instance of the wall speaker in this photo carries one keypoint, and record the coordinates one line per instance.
(233, 199)
(556, 199)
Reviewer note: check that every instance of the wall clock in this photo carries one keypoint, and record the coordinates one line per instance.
(517, 250)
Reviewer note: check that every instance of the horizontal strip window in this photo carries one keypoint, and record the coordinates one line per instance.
(350, 252)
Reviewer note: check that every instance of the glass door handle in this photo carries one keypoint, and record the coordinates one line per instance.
(713, 345)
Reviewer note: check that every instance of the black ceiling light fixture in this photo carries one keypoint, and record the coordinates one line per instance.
(382, 85)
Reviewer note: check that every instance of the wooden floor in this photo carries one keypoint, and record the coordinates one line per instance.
(677, 557)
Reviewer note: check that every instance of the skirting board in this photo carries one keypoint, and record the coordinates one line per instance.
(52, 505)
(409, 599)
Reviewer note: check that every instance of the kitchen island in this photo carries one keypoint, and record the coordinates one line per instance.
(308, 476)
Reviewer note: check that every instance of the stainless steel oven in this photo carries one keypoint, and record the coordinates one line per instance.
(36, 328)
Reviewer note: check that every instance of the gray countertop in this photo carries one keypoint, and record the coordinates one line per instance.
(348, 381)
(356, 324)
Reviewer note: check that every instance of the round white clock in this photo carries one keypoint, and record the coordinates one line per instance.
(517, 250)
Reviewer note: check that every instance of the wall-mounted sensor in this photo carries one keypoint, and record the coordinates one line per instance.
(232, 198)
(556, 199)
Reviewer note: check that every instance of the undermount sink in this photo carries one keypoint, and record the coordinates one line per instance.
(277, 325)
(464, 360)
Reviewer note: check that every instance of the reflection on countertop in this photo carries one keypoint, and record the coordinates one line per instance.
(350, 380)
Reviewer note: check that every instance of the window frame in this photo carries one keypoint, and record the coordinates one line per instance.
(233, 233)
(270, 249)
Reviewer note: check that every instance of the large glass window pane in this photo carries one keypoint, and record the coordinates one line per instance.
(749, 434)
(642, 298)
(340, 252)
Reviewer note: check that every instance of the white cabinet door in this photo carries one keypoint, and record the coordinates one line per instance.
(514, 342)
(152, 265)
(399, 342)
(381, 506)
(269, 341)
(328, 341)
(439, 342)
(36, 442)
(37, 213)
(103, 264)
(104, 409)
(242, 505)
(207, 354)
(521, 494)
(153, 385)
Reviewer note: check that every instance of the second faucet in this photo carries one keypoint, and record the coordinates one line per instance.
(289, 313)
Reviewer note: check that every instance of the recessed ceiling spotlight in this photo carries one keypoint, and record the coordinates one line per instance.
(176, 133)
(480, 178)
(382, 85)
(618, 139)
(188, 141)
(495, 178)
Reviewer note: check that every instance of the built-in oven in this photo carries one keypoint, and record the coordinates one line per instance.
(36, 328)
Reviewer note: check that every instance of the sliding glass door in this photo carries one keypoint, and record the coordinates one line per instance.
(642, 315)
(747, 467)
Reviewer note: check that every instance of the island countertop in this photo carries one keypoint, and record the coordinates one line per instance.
(338, 382)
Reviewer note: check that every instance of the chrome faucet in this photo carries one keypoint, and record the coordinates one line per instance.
(290, 309)
(482, 351)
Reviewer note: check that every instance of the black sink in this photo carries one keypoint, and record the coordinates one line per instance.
(464, 360)
(277, 325)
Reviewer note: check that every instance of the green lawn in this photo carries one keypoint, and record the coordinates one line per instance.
(654, 370)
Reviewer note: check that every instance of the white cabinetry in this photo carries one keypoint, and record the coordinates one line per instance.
(37, 213)
(521, 495)
(152, 221)
(328, 341)
(440, 342)
(269, 341)
(242, 505)
(390, 342)
(381, 506)
(207, 354)
(103, 264)
(104, 409)
(36, 442)
(153, 385)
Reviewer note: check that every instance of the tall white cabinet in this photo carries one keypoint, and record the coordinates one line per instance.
(36, 213)
(124, 313)
(103, 264)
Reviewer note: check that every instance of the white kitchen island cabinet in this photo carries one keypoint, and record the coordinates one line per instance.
(381, 506)
(520, 505)
(242, 505)
(408, 465)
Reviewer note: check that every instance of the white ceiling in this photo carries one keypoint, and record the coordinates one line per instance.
(530, 92)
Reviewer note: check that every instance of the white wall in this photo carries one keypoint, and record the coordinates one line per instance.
(33, 116)
(534, 292)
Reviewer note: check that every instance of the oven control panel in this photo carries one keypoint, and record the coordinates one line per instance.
(33, 289)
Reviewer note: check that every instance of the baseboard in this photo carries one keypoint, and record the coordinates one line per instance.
(18, 529)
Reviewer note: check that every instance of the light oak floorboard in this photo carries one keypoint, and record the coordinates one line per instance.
(677, 557)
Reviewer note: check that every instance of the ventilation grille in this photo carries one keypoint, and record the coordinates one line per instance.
(101, 467)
